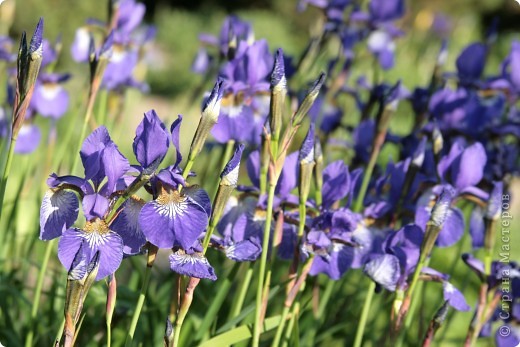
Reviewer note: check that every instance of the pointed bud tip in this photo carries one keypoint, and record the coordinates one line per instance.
(278, 75)
(441, 207)
(37, 38)
(231, 170)
(106, 49)
(307, 150)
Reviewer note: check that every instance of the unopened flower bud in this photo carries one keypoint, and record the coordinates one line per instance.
(210, 113)
(307, 163)
(418, 156)
(438, 141)
(441, 207)
(278, 93)
(306, 104)
(494, 206)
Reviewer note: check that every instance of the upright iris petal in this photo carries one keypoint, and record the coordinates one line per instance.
(151, 141)
(174, 218)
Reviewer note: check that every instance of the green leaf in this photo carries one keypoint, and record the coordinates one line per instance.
(240, 333)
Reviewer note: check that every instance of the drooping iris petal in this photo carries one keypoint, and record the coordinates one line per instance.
(336, 183)
(246, 250)
(336, 264)
(454, 297)
(200, 197)
(384, 269)
(59, 210)
(127, 226)
(452, 229)
(193, 265)
(95, 239)
(173, 219)
(151, 141)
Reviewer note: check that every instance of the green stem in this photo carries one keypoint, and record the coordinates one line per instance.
(292, 322)
(5, 176)
(57, 339)
(38, 291)
(216, 302)
(358, 204)
(364, 314)
(279, 330)
(102, 107)
(242, 292)
(86, 120)
(109, 333)
(263, 262)
(139, 306)
(187, 168)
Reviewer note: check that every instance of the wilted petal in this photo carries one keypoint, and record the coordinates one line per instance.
(193, 265)
(59, 210)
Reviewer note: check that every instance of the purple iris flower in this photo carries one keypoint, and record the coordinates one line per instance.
(471, 63)
(241, 228)
(386, 10)
(178, 215)
(29, 138)
(201, 62)
(460, 170)
(151, 142)
(339, 241)
(191, 262)
(384, 270)
(288, 178)
(244, 108)
(50, 99)
(381, 44)
(6, 45)
(104, 166)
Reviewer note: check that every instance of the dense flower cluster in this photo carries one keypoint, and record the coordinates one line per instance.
(329, 207)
